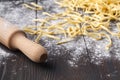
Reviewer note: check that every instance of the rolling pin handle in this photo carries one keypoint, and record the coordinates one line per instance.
(13, 38)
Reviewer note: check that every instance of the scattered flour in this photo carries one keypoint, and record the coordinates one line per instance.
(78, 50)
(18, 15)
(82, 46)
(3, 54)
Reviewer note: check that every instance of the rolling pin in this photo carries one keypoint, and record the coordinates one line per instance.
(14, 38)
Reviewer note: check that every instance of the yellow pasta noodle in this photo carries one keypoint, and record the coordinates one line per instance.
(33, 6)
(81, 17)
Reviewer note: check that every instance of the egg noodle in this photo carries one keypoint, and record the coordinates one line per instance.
(81, 17)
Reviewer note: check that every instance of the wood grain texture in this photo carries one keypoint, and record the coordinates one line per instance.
(14, 12)
(19, 67)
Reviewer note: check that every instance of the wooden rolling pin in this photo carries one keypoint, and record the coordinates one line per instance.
(14, 38)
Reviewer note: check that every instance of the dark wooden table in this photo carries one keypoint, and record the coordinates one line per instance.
(18, 67)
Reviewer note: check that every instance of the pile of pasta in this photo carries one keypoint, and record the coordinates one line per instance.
(80, 18)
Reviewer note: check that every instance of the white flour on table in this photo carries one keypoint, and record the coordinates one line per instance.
(17, 15)
(75, 49)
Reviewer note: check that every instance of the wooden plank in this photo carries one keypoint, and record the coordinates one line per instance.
(107, 59)
(9, 0)
(19, 15)
(63, 71)
(95, 68)
(2, 67)
(29, 0)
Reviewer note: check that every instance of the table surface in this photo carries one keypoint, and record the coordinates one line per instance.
(18, 67)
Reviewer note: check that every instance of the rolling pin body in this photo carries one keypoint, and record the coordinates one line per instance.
(14, 38)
